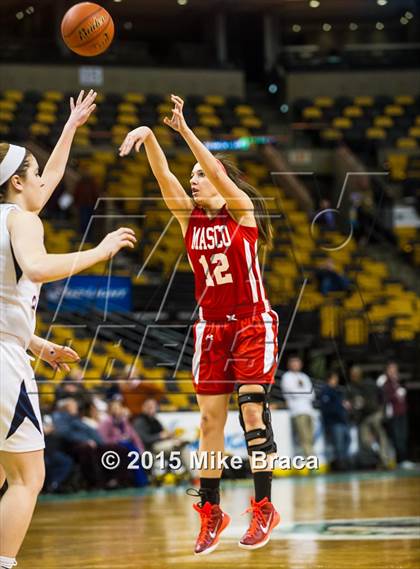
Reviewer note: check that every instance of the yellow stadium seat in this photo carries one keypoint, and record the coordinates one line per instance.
(407, 143)
(53, 96)
(13, 95)
(414, 132)
(8, 105)
(6, 116)
(342, 122)
(4, 129)
(239, 132)
(353, 111)
(47, 107)
(417, 120)
(38, 129)
(324, 102)
(331, 134)
(205, 109)
(383, 122)
(251, 122)
(375, 133)
(47, 118)
(129, 119)
(312, 113)
(243, 110)
(210, 121)
(138, 98)
(364, 101)
(202, 132)
(394, 110)
(215, 100)
(164, 108)
(355, 331)
(129, 108)
(404, 100)
(330, 320)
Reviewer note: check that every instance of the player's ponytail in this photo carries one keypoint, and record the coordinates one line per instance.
(262, 217)
(21, 171)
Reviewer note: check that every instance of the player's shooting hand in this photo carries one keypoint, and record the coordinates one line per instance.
(82, 108)
(177, 121)
(58, 357)
(134, 138)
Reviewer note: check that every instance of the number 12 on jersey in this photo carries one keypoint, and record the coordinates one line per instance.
(220, 275)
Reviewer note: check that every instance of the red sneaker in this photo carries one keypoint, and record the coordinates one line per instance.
(264, 519)
(213, 522)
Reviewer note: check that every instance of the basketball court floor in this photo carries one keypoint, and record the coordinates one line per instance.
(363, 521)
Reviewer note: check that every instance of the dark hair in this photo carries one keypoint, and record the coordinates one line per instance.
(262, 217)
(21, 171)
(333, 373)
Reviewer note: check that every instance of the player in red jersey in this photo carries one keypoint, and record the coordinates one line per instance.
(235, 335)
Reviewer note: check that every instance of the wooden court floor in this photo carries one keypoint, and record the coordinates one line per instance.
(357, 521)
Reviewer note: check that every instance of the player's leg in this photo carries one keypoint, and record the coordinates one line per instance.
(255, 419)
(25, 475)
(213, 410)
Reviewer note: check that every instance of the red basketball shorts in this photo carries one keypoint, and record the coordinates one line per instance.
(239, 351)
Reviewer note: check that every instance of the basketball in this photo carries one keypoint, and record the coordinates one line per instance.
(87, 29)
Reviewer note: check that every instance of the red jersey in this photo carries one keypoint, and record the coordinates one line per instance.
(223, 256)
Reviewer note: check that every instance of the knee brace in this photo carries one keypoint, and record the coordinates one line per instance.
(268, 446)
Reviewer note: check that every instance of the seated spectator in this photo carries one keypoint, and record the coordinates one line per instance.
(330, 280)
(134, 390)
(85, 196)
(72, 386)
(394, 396)
(115, 428)
(299, 394)
(86, 446)
(58, 464)
(336, 421)
(367, 413)
(326, 219)
(155, 438)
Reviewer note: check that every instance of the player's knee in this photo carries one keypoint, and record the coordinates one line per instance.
(252, 414)
(32, 480)
(211, 422)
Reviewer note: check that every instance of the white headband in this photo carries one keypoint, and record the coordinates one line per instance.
(11, 162)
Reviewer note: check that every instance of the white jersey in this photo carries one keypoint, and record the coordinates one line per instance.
(18, 295)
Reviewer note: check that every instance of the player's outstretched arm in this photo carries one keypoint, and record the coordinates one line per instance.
(27, 236)
(176, 198)
(237, 201)
(54, 169)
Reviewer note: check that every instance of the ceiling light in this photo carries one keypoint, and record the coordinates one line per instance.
(353, 26)
(182, 2)
(379, 26)
(296, 28)
(382, 2)
(273, 88)
(314, 3)
(408, 15)
(404, 21)
(326, 27)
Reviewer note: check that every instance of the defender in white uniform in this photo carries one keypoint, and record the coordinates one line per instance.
(24, 265)
(20, 418)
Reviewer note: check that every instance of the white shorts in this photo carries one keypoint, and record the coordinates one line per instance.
(20, 416)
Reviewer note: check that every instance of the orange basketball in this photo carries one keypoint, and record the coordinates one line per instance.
(87, 29)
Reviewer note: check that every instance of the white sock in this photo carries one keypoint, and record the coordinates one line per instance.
(7, 562)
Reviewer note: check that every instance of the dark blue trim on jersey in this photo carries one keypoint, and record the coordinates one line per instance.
(23, 409)
(18, 270)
